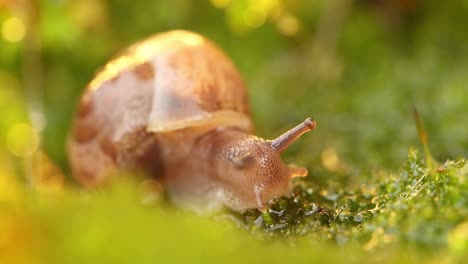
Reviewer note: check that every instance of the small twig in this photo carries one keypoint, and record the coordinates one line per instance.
(423, 138)
(416, 184)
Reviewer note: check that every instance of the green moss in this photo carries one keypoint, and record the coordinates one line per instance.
(416, 206)
(414, 215)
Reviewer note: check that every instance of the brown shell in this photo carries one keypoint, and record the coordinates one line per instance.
(171, 81)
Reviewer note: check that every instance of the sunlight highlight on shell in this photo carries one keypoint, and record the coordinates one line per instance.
(192, 39)
(112, 69)
(13, 29)
(142, 52)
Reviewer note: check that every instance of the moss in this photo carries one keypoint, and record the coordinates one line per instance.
(416, 206)
(416, 214)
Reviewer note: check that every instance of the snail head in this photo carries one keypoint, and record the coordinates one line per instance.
(254, 170)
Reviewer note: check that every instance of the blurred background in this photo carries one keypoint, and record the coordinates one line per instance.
(357, 66)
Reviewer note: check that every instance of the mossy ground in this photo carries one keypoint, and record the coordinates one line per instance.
(416, 214)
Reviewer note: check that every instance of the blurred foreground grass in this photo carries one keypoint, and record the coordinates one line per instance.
(357, 67)
(416, 215)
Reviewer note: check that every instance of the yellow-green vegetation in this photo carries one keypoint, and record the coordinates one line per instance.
(413, 216)
(374, 193)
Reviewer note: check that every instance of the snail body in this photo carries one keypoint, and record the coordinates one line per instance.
(175, 107)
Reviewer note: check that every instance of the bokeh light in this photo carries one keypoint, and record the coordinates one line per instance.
(288, 24)
(245, 16)
(458, 238)
(22, 140)
(255, 16)
(330, 159)
(13, 29)
(88, 14)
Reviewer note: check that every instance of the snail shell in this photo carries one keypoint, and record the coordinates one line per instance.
(175, 107)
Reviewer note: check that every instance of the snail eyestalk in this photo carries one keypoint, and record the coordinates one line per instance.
(283, 141)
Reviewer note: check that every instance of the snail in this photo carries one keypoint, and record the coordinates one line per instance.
(175, 107)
